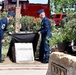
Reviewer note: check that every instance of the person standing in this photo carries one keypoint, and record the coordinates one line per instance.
(45, 32)
(3, 26)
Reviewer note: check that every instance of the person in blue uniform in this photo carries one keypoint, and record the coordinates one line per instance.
(45, 32)
(3, 26)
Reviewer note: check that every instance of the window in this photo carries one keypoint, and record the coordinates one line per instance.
(39, 1)
(13, 0)
(19, 0)
(64, 16)
(34, 1)
(52, 16)
(57, 16)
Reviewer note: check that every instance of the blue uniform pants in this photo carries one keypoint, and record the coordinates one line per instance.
(44, 51)
(0, 50)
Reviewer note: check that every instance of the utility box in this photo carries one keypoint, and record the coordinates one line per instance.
(24, 52)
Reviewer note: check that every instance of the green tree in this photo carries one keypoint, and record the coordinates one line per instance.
(61, 6)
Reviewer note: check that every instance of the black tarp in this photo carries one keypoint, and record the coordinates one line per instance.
(23, 38)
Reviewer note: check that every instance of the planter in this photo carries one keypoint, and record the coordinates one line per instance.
(63, 46)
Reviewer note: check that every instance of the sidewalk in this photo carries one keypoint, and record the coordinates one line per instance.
(23, 72)
(36, 65)
(24, 66)
(31, 68)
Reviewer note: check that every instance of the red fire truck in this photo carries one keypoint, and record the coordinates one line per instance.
(30, 8)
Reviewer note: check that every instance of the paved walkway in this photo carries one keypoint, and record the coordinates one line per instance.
(28, 68)
(23, 66)
(23, 72)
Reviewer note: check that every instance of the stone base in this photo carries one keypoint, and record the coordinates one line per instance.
(61, 64)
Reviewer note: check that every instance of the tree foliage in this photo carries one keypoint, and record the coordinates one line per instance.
(60, 6)
(66, 32)
(28, 23)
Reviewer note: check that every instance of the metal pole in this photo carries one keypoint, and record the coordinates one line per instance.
(17, 3)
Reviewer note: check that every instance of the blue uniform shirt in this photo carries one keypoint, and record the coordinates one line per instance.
(46, 27)
(3, 26)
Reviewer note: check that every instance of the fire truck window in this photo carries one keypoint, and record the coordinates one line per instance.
(63, 16)
(52, 16)
(19, 0)
(13, 0)
(38, 1)
(57, 16)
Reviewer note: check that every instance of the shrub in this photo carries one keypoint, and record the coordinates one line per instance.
(66, 32)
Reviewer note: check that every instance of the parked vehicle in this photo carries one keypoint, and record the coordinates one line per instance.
(57, 18)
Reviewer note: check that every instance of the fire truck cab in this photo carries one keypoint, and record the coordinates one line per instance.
(30, 7)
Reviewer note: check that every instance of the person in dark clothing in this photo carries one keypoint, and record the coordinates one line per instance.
(45, 32)
(3, 27)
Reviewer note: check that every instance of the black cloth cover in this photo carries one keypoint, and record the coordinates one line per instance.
(23, 38)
